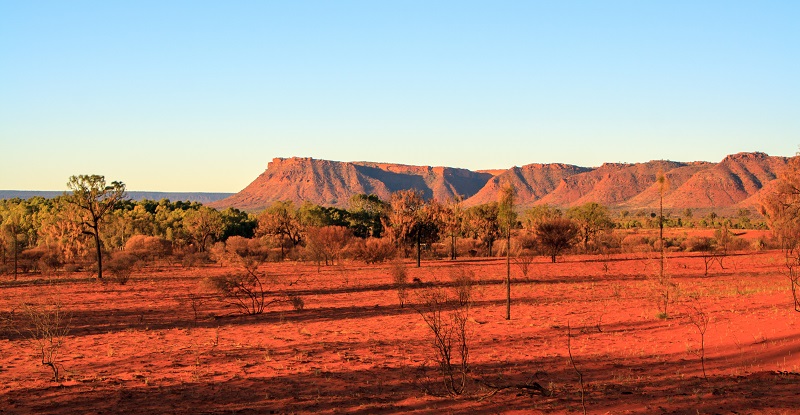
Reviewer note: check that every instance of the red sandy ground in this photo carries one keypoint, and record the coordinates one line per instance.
(138, 348)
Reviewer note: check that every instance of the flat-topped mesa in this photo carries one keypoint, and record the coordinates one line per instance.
(735, 182)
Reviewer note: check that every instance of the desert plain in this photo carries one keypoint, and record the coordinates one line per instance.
(165, 343)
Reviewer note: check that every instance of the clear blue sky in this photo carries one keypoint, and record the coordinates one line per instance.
(201, 95)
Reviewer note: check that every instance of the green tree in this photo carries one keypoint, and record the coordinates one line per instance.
(591, 218)
(204, 224)
(507, 219)
(482, 224)
(556, 235)
(281, 219)
(366, 215)
(95, 199)
(16, 227)
(538, 214)
(452, 220)
(411, 221)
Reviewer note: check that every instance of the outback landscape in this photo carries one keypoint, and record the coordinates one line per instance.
(490, 303)
(416, 207)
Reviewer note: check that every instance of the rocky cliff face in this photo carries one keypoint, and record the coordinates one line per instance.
(736, 181)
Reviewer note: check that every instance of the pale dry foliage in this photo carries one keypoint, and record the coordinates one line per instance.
(782, 208)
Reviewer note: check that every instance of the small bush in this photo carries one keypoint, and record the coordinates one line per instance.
(121, 265)
(297, 302)
(195, 259)
(375, 250)
(450, 340)
(148, 248)
(400, 280)
(47, 327)
(464, 281)
(244, 291)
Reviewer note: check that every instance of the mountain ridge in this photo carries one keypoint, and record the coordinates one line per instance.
(735, 182)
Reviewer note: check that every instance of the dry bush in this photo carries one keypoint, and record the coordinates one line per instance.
(297, 302)
(472, 247)
(447, 322)
(699, 318)
(634, 243)
(327, 243)
(663, 292)
(609, 242)
(46, 326)
(523, 253)
(400, 280)
(148, 248)
(29, 258)
(375, 250)
(121, 265)
(246, 288)
(243, 290)
(50, 261)
(463, 282)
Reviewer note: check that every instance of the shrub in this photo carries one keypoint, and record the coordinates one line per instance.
(121, 265)
(448, 326)
(328, 243)
(463, 282)
(400, 280)
(375, 250)
(195, 259)
(297, 302)
(148, 248)
(244, 291)
(46, 327)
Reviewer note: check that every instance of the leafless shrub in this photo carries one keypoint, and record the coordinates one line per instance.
(246, 289)
(448, 325)
(464, 281)
(46, 327)
(400, 280)
(663, 292)
(575, 367)
(709, 249)
(523, 253)
(699, 318)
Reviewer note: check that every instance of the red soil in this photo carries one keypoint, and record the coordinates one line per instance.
(138, 348)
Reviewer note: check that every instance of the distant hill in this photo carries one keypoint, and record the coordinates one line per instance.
(133, 195)
(735, 182)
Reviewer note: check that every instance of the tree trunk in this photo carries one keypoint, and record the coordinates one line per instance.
(16, 255)
(508, 276)
(99, 251)
(452, 247)
(419, 248)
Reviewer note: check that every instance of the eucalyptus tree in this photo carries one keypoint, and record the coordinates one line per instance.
(95, 199)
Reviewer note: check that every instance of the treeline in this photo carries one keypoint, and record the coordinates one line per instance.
(50, 234)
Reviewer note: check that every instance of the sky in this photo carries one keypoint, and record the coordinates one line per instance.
(201, 95)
